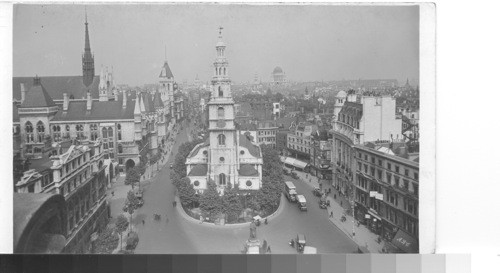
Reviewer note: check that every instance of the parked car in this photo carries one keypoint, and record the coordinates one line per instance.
(132, 240)
(317, 192)
(323, 202)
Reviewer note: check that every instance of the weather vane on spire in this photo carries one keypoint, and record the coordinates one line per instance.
(220, 31)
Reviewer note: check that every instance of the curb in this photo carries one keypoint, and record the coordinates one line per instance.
(181, 211)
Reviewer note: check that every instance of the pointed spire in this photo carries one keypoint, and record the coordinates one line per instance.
(87, 40)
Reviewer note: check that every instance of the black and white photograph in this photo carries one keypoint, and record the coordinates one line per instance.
(199, 128)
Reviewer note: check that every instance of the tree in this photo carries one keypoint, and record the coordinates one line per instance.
(120, 226)
(107, 241)
(131, 204)
(187, 193)
(133, 176)
(210, 201)
(231, 203)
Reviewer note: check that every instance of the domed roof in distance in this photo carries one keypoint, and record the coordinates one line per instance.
(277, 70)
(341, 94)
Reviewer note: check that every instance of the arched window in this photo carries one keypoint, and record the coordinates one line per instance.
(40, 129)
(120, 148)
(28, 127)
(222, 179)
(119, 126)
(104, 133)
(221, 93)
(220, 71)
(222, 139)
(110, 132)
(220, 112)
(224, 71)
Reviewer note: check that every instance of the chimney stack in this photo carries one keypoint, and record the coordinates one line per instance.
(124, 103)
(89, 101)
(23, 92)
(65, 101)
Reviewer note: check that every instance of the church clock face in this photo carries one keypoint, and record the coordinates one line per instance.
(221, 124)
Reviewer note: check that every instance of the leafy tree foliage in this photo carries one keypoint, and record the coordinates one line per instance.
(120, 226)
(210, 201)
(131, 204)
(187, 193)
(107, 241)
(133, 176)
(231, 203)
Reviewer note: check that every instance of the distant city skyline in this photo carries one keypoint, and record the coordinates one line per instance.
(310, 42)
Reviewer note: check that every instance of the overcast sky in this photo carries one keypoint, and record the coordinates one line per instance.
(308, 42)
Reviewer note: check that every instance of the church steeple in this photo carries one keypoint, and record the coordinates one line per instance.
(87, 58)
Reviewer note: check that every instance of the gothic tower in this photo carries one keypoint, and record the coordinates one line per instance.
(222, 154)
(87, 58)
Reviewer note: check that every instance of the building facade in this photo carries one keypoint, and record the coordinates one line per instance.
(78, 174)
(386, 196)
(228, 156)
(299, 140)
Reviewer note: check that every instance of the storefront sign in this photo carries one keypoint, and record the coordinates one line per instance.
(406, 243)
(367, 216)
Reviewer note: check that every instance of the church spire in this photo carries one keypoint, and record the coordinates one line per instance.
(87, 58)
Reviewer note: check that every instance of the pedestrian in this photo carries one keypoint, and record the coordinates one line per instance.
(331, 214)
(201, 219)
(269, 249)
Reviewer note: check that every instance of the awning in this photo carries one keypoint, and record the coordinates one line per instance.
(294, 162)
(405, 242)
(374, 214)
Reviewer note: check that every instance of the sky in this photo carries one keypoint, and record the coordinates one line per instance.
(310, 42)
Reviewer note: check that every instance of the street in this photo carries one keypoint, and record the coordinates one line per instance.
(173, 234)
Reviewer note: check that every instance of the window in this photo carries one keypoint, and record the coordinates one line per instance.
(379, 174)
(407, 172)
(220, 112)
(389, 166)
(415, 189)
(104, 133)
(359, 166)
(366, 168)
(221, 93)
(397, 169)
(221, 159)
(373, 159)
(222, 179)
(388, 175)
(249, 183)
(110, 132)
(222, 139)
(396, 180)
(406, 184)
(366, 157)
(372, 171)
(380, 162)
(415, 175)
(120, 148)
(196, 183)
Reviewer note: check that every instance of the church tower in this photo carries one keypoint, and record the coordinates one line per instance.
(87, 58)
(222, 155)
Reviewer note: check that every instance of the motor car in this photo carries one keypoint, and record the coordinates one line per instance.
(323, 203)
(300, 242)
(317, 192)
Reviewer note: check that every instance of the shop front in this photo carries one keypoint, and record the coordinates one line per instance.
(374, 221)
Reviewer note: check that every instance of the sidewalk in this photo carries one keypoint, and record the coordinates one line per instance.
(120, 190)
(363, 237)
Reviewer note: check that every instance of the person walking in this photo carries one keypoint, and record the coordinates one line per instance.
(331, 214)
(269, 249)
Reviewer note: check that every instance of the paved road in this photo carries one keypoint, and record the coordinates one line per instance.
(178, 236)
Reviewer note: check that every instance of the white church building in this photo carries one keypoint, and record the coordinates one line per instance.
(228, 156)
